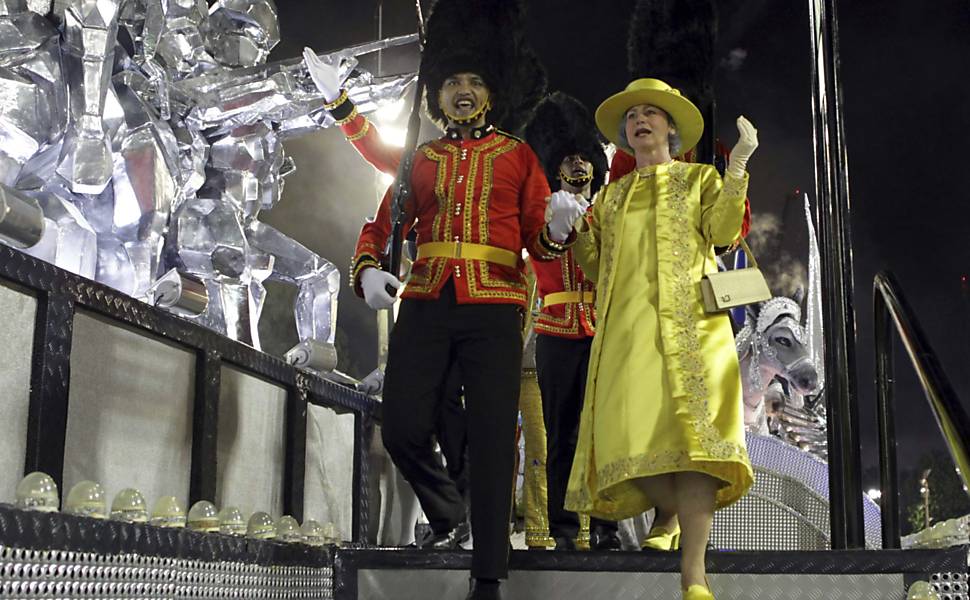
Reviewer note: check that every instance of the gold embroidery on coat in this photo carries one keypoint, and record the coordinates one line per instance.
(690, 368)
(445, 198)
(489, 153)
(663, 461)
(570, 322)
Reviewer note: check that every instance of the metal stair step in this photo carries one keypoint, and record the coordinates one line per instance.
(376, 574)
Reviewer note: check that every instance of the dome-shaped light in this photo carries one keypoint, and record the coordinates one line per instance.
(261, 526)
(87, 499)
(288, 530)
(232, 521)
(168, 512)
(37, 491)
(129, 505)
(312, 533)
(203, 517)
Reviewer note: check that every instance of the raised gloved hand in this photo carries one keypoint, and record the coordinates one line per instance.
(563, 210)
(742, 151)
(374, 282)
(325, 76)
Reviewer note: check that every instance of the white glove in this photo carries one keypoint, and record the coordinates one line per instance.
(373, 383)
(374, 281)
(563, 210)
(742, 151)
(326, 76)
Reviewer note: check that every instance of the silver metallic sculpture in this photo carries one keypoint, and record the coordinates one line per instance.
(782, 362)
(90, 29)
(772, 347)
(140, 139)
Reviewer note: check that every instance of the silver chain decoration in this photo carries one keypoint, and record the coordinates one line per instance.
(64, 574)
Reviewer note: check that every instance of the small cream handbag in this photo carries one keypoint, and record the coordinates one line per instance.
(725, 290)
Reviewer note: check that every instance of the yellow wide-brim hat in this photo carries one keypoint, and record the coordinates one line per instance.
(687, 118)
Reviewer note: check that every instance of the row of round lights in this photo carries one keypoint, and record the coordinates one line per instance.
(38, 491)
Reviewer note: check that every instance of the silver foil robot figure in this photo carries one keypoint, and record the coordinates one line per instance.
(148, 134)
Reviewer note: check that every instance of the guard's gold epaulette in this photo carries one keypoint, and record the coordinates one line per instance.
(430, 149)
(510, 136)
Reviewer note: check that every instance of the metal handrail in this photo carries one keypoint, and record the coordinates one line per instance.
(891, 311)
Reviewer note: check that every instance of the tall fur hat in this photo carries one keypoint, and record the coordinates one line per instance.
(485, 37)
(561, 127)
(673, 40)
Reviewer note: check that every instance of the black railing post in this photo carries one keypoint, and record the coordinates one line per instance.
(205, 427)
(50, 379)
(832, 183)
(294, 469)
(885, 408)
(363, 432)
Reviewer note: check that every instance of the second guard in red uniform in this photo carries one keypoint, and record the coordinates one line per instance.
(564, 136)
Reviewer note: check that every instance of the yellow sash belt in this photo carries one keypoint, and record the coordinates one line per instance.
(568, 298)
(467, 250)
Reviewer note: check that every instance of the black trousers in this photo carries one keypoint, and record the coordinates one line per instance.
(486, 342)
(561, 366)
(453, 430)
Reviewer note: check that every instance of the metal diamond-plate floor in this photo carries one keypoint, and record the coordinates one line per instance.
(526, 585)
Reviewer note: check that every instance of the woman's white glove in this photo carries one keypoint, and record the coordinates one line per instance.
(325, 76)
(742, 151)
(374, 282)
(563, 210)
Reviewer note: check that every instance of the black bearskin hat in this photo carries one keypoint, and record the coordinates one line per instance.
(485, 37)
(561, 127)
(673, 40)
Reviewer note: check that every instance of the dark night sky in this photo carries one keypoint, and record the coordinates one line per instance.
(906, 117)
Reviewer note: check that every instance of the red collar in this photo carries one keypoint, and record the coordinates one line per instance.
(479, 133)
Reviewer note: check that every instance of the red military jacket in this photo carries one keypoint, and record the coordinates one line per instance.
(367, 140)
(570, 320)
(575, 320)
(489, 190)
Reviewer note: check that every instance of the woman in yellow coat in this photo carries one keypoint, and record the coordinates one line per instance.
(662, 424)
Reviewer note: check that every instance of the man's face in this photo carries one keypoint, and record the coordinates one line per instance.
(647, 127)
(575, 166)
(463, 95)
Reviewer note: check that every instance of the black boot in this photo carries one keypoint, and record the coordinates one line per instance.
(565, 543)
(448, 540)
(604, 538)
(484, 589)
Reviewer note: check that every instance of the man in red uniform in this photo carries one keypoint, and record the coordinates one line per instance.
(451, 428)
(478, 199)
(564, 136)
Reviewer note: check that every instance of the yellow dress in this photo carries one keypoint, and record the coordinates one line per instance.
(663, 392)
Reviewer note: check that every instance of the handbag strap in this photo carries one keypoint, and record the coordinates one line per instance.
(744, 247)
(753, 261)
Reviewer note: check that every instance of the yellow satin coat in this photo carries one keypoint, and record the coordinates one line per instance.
(664, 390)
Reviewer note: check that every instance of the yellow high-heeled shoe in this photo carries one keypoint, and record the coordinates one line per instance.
(661, 540)
(698, 592)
